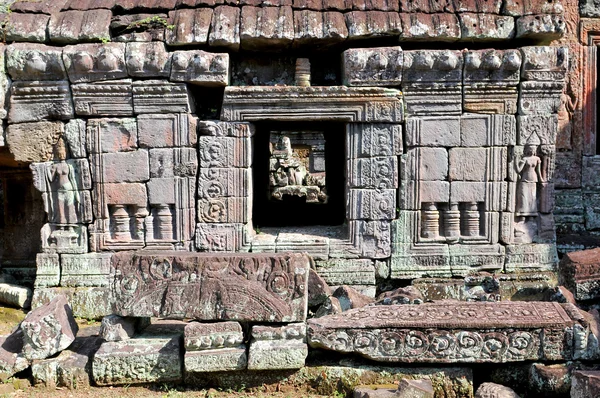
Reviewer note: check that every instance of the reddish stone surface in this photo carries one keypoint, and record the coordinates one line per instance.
(350, 298)
(527, 7)
(74, 26)
(203, 286)
(422, 26)
(448, 332)
(190, 26)
(146, 4)
(372, 23)
(11, 360)
(580, 273)
(318, 290)
(39, 6)
(585, 384)
(88, 4)
(483, 6)
(426, 6)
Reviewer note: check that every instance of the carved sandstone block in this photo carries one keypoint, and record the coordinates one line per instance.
(28, 61)
(322, 27)
(540, 97)
(225, 28)
(337, 272)
(370, 204)
(427, 6)
(31, 101)
(225, 129)
(130, 166)
(224, 182)
(158, 96)
(373, 140)
(274, 348)
(93, 62)
(224, 152)
(75, 135)
(47, 270)
(433, 131)
(477, 164)
(173, 162)
(487, 130)
(206, 336)
(224, 210)
(187, 285)
(91, 269)
(425, 164)
(372, 66)
(580, 273)
(27, 27)
(544, 63)
(527, 7)
(166, 130)
(106, 98)
(479, 6)
(217, 360)
(412, 194)
(221, 237)
(149, 59)
(112, 135)
(373, 173)
(537, 129)
(200, 68)
(372, 238)
(547, 27)
(33, 142)
(531, 257)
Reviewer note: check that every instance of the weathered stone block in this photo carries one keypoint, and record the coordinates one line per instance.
(107, 98)
(302, 241)
(372, 238)
(152, 359)
(579, 271)
(33, 142)
(486, 26)
(28, 61)
(544, 63)
(368, 204)
(222, 152)
(425, 164)
(518, 8)
(477, 164)
(487, 130)
(373, 140)
(422, 26)
(322, 27)
(116, 328)
(537, 129)
(225, 129)
(47, 270)
(380, 66)
(216, 360)
(90, 269)
(190, 26)
(479, 6)
(495, 390)
(242, 296)
(415, 261)
(48, 329)
(112, 135)
(170, 130)
(157, 96)
(281, 347)
(200, 68)
(220, 237)
(426, 6)
(373, 173)
(540, 97)
(11, 357)
(547, 27)
(27, 27)
(585, 384)
(263, 27)
(79, 26)
(86, 302)
(347, 271)
(224, 182)
(465, 259)
(367, 24)
(492, 194)
(413, 194)
(173, 162)
(93, 62)
(147, 59)
(15, 295)
(40, 100)
(209, 336)
(224, 210)
(225, 28)
(434, 332)
(130, 166)
(75, 135)
(534, 257)
(433, 131)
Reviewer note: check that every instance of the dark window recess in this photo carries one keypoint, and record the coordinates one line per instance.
(299, 174)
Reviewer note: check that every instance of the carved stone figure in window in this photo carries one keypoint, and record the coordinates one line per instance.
(64, 200)
(529, 171)
(298, 170)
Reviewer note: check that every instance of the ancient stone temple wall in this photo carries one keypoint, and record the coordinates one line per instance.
(448, 155)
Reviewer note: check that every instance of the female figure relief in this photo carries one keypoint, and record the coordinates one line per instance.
(529, 172)
(63, 194)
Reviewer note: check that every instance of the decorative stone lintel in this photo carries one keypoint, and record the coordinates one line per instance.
(336, 103)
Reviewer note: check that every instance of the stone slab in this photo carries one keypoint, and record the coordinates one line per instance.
(32, 101)
(579, 272)
(380, 66)
(204, 286)
(216, 360)
(151, 359)
(14, 295)
(86, 302)
(209, 336)
(273, 348)
(440, 333)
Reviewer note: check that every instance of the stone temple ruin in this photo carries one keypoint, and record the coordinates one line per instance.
(391, 181)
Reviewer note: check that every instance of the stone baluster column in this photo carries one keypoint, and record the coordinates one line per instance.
(431, 220)
(470, 220)
(120, 223)
(452, 223)
(164, 222)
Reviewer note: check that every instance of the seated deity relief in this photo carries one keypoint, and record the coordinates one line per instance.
(297, 166)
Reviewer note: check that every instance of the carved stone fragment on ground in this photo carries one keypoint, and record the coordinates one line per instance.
(277, 347)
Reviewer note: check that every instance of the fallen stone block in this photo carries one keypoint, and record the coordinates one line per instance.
(116, 328)
(72, 368)
(11, 359)
(86, 302)
(350, 298)
(550, 380)
(486, 390)
(580, 273)
(330, 306)
(318, 290)
(252, 287)
(449, 332)
(408, 388)
(585, 384)
(152, 359)
(402, 295)
(275, 348)
(13, 295)
(48, 329)
(206, 336)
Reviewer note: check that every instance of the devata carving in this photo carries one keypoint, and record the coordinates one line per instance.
(64, 199)
(257, 287)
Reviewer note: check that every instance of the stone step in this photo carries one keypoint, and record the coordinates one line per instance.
(468, 332)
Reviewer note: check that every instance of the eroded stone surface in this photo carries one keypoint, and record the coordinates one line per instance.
(442, 333)
(273, 348)
(489, 390)
(580, 273)
(116, 328)
(185, 285)
(48, 329)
